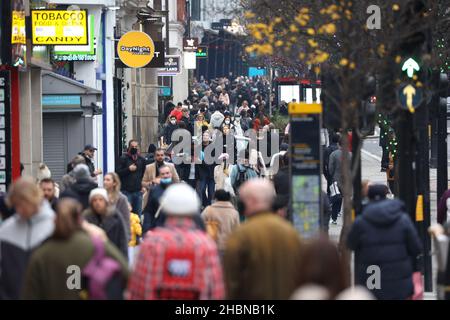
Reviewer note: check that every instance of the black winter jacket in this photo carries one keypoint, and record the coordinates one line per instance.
(385, 236)
(113, 225)
(150, 222)
(131, 181)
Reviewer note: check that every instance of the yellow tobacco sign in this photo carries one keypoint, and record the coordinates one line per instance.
(136, 49)
(18, 33)
(59, 27)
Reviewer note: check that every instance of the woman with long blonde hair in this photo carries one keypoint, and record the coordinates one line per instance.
(112, 184)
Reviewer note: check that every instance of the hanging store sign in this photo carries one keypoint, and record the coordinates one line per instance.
(136, 49)
(172, 66)
(5, 130)
(78, 53)
(156, 62)
(12, 33)
(59, 27)
(18, 33)
(202, 52)
(190, 44)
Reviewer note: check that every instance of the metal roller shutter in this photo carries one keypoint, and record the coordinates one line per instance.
(55, 153)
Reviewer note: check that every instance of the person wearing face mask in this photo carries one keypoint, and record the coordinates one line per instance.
(227, 122)
(152, 214)
(170, 127)
(131, 168)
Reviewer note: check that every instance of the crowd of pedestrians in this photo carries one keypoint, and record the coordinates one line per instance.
(161, 229)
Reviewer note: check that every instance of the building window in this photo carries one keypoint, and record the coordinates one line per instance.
(195, 10)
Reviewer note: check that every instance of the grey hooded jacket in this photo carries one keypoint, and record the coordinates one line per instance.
(18, 239)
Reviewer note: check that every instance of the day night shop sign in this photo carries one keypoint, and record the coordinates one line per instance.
(136, 49)
(59, 27)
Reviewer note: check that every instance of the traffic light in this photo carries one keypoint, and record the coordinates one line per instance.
(440, 85)
(331, 100)
(412, 30)
(405, 64)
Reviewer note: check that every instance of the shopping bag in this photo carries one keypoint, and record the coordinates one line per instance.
(418, 286)
(334, 189)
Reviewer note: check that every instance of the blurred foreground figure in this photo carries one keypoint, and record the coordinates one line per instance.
(32, 224)
(384, 237)
(178, 260)
(48, 275)
(262, 256)
(320, 266)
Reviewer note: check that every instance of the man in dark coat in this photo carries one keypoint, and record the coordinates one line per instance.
(152, 209)
(385, 237)
(170, 127)
(88, 155)
(131, 168)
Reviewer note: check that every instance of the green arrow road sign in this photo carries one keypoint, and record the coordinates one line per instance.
(410, 66)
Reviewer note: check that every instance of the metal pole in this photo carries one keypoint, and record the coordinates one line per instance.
(357, 197)
(434, 141)
(442, 156)
(270, 89)
(166, 4)
(188, 14)
(423, 189)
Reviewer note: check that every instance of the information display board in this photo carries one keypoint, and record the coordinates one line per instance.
(306, 170)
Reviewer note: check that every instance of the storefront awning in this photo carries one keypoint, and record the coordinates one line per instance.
(62, 94)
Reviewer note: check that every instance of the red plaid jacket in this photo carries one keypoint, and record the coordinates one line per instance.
(178, 261)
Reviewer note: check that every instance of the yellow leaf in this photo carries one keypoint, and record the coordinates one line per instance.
(343, 62)
(352, 66)
(330, 28)
(311, 31)
(250, 49)
(317, 70)
(304, 10)
(312, 43)
(278, 43)
(293, 28)
(278, 20)
(395, 7)
(335, 16)
(301, 56)
(398, 59)
(257, 35)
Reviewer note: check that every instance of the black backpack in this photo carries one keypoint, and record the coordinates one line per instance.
(241, 178)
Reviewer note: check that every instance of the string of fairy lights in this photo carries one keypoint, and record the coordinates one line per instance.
(387, 134)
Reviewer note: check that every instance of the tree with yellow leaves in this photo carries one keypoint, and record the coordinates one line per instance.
(333, 36)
